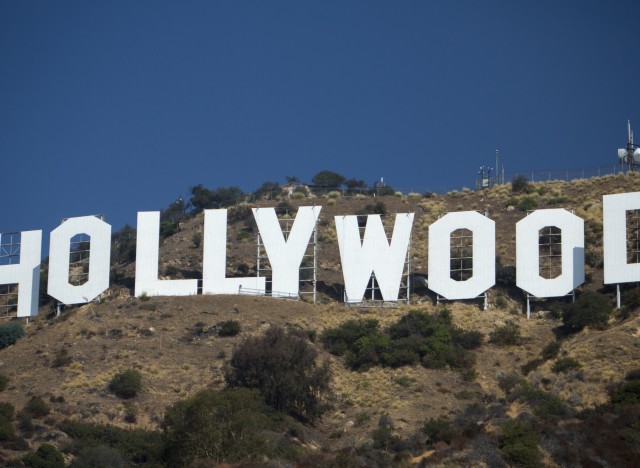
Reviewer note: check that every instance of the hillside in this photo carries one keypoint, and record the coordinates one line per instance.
(69, 361)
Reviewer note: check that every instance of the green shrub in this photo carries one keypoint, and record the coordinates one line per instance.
(47, 456)
(99, 456)
(4, 382)
(627, 394)
(229, 328)
(440, 430)
(551, 350)
(36, 407)
(7, 432)
(506, 335)
(546, 406)
(565, 364)
(219, 426)
(6, 410)
(415, 337)
(10, 333)
(282, 366)
(61, 358)
(519, 444)
(137, 446)
(196, 239)
(531, 365)
(509, 382)
(342, 338)
(527, 204)
(591, 309)
(126, 384)
(469, 339)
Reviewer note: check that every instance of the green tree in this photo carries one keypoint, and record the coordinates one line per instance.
(328, 179)
(203, 198)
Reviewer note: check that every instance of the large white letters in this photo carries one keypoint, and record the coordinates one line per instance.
(616, 267)
(99, 257)
(285, 256)
(26, 273)
(214, 262)
(147, 244)
(484, 253)
(373, 254)
(528, 256)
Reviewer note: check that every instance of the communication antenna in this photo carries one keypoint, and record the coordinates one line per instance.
(630, 156)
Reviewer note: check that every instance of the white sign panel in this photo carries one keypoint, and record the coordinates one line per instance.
(26, 273)
(374, 254)
(99, 257)
(147, 256)
(616, 267)
(484, 255)
(286, 256)
(214, 262)
(528, 253)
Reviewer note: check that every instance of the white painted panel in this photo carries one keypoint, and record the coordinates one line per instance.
(26, 273)
(285, 256)
(616, 268)
(484, 255)
(99, 258)
(147, 256)
(527, 253)
(214, 262)
(374, 254)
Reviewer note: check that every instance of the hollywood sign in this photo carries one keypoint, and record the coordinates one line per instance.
(360, 256)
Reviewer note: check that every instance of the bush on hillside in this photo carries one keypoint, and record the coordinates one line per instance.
(138, 446)
(47, 456)
(519, 444)
(417, 337)
(506, 335)
(628, 393)
(282, 366)
(126, 384)
(4, 382)
(219, 426)
(591, 309)
(36, 407)
(10, 333)
(229, 328)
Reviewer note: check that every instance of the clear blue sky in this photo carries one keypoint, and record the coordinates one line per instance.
(116, 107)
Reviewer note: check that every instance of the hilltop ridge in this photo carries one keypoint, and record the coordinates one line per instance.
(167, 340)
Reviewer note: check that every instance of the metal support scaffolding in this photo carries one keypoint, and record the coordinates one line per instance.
(308, 267)
(372, 295)
(9, 255)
